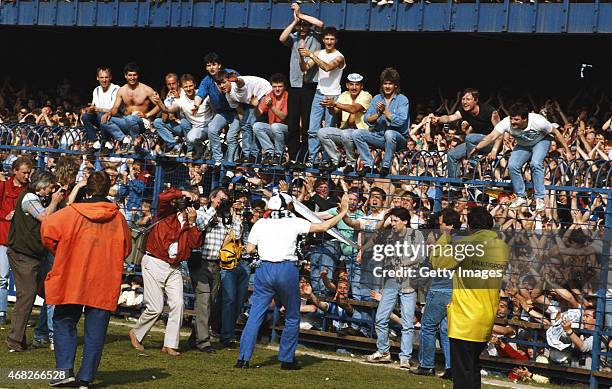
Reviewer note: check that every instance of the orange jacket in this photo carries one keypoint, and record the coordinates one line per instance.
(90, 241)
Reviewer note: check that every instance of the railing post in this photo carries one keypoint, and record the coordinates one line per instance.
(601, 294)
(157, 186)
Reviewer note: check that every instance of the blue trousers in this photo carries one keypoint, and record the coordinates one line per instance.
(280, 281)
(434, 318)
(65, 320)
(234, 285)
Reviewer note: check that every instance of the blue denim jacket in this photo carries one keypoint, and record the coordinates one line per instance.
(217, 99)
(400, 121)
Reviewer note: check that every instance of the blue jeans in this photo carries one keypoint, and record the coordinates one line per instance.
(434, 318)
(271, 137)
(167, 131)
(214, 128)
(197, 134)
(4, 279)
(65, 320)
(461, 151)
(385, 308)
(323, 257)
(249, 143)
(389, 140)
(279, 281)
(234, 285)
(131, 124)
(360, 292)
(519, 157)
(317, 113)
(44, 328)
(91, 122)
(331, 137)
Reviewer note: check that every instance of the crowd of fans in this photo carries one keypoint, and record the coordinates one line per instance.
(252, 126)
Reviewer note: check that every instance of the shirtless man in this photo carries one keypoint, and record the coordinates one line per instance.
(136, 98)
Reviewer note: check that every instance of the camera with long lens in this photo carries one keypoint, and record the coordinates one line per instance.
(225, 209)
(184, 202)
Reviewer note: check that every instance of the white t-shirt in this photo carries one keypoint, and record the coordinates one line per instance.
(329, 82)
(204, 115)
(253, 86)
(276, 239)
(537, 129)
(369, 222)
(105, 100)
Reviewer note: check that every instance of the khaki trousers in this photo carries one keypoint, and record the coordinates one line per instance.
(160, 277)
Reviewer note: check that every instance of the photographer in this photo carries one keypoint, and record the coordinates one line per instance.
(216, 223)
(26, 251)
(170, 241)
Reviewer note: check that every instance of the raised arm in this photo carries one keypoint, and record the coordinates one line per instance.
(326, 225)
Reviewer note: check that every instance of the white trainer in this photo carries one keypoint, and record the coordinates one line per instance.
(518, 202)
(378, 357)
(540, 205)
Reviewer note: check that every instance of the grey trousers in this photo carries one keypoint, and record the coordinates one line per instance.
(206, 281)
(26, 271)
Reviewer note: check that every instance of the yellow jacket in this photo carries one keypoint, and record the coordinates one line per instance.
(476, 281)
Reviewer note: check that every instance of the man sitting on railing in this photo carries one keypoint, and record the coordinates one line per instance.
(136, 98)
(103, 99)
(533, 136)
(389, 121)
(481, 118)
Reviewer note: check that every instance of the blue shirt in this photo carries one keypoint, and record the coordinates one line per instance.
(217, 99)
(399, 115)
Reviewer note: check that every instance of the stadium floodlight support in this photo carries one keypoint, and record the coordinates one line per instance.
(534, 16)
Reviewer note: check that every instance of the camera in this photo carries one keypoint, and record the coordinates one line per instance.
(184, 202)
(225, 208)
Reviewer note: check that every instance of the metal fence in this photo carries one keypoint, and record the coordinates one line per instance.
(585, 183)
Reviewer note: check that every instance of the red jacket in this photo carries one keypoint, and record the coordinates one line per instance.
(90, 241)
(169, 230)
(8, 201)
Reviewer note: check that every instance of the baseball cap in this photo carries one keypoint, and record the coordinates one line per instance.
(354, 77)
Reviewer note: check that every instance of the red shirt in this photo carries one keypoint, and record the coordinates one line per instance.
(8, 201)
(169, 230)
(279, 104)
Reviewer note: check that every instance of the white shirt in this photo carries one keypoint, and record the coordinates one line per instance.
(204, 115)
(329, 82)
(537, 129)
(105, 100)
(276, 239)
(253, 86)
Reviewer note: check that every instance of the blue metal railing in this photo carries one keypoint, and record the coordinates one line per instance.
(42, 140)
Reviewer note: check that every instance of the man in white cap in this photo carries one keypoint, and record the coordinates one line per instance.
(274, 238)
(351, 105)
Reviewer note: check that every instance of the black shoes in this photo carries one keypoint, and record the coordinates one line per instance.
(68, 381)
(384, 171)
(3, 320)
(447, 375)
(240, 364)
(207, 349)
(290, 365)
(228, 344)
(423, 371)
